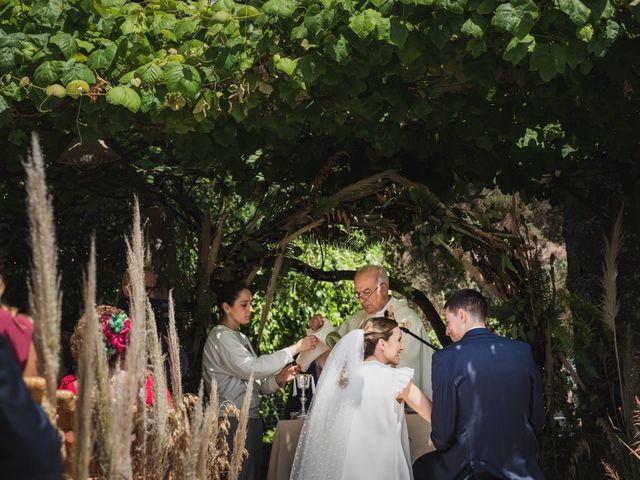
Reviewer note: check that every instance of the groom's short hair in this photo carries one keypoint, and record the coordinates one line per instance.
(470, 301)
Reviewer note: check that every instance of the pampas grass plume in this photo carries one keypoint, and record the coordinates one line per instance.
(84, 408)
(45, 296)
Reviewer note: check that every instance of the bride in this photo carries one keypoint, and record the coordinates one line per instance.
(356, 427)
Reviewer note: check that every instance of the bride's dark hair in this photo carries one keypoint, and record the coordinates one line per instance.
(377, 328)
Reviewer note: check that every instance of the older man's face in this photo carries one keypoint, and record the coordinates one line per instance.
(372, 295)
(150, 282)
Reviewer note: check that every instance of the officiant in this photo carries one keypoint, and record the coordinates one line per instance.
(371, 283)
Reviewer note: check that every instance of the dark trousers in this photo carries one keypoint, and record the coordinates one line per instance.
(252, 465)
(436, 466)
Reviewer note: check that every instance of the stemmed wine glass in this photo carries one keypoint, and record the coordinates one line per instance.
(303, 381)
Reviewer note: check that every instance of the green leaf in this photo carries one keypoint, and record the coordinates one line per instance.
(576, 54)
(337, 49)
(601, 9)
(548, 60)
(612, 30)
(124, 96)
(7, 59)
(398, 33)
(3, 104)
(486, 6)
(365, 22)
(516, 17)
(282, 8)
(48, 72)
(184, 27)
(182, 79)
(577, 11)
(585, 33)
(471, 29)
(46, 12)
(286, 65)
(453, 6)
(476, 46)
(150, 73)
(77, 71)
(102, 58)
(247, 11)
(127, 77)
(65, 42)
(517, 49)
(311, 66)
(86, 46)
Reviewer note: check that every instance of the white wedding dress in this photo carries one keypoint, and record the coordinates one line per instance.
(356, 428)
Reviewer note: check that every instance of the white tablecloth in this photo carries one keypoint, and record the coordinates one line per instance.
(288, 431)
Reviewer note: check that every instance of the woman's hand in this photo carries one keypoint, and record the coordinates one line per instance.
(307, 343)
(287, 374)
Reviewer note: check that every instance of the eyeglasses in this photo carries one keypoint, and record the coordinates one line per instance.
(366, 293)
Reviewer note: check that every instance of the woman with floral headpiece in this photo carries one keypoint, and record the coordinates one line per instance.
(115, 327)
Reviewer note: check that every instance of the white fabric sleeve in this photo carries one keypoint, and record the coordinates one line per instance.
(240, 362)
(401, 378)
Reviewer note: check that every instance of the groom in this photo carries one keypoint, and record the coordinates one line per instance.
(487, 402)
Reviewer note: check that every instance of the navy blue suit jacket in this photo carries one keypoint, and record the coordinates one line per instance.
(487, 410)
(29, 445)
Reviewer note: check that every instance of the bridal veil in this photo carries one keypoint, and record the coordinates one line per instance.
(322, 446)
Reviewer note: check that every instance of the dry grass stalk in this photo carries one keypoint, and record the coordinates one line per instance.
(631, 378)
(104, 408)
(610, 472)
(197, 418)
(160, 432)
(610, 305)
(636, 425)
(174, 355)
(240, 438)
(44, 289)
(180, 428)
(209, 434)
(218, 462)
(86, 366)
(130, 382)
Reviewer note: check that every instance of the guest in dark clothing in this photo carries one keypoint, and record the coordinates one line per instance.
(29, 445)
(487, 402)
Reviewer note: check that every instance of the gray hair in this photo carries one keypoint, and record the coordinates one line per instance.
(381, 273)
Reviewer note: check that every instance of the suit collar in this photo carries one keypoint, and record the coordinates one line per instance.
(475, 332)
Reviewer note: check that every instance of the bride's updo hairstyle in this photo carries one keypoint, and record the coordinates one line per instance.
(377, 328)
